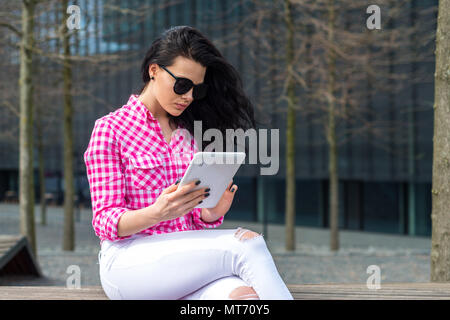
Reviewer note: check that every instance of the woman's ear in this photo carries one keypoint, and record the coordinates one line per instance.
(152, 69)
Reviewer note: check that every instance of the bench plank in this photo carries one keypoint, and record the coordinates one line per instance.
(345, 291)
(387, 291)
(51, 293)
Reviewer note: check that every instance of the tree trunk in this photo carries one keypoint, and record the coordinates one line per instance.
(331, 135)
(40, 147)
(26, 181)
(40, 143)
(69, 234)
(290, 132)
(440, 217)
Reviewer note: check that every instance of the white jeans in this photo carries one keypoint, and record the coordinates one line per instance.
(189, 265)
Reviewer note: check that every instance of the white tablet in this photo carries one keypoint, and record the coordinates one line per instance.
(215, 171)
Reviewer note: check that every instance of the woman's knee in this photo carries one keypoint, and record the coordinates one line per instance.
(243, 293)
(244, 234)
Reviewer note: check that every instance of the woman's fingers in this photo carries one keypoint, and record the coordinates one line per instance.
(186, 192)
(170, 188)
(187, 188)
(185, 199)
(195, 194)
(189, 206)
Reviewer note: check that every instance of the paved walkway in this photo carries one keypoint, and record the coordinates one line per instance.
(400, 258)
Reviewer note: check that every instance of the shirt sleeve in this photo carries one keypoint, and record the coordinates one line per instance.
(106, 181)
(200, 224)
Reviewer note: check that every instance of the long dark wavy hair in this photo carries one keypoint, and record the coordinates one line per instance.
(226, 106)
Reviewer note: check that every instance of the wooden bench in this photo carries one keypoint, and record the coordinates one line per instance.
(359, 291)
(16, 257)
(347, 291)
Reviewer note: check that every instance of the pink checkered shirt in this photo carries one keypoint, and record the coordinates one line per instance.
(128, 165)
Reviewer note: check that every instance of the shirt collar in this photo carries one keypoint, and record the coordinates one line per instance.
(134, 102)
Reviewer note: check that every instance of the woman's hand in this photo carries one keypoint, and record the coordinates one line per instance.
(175, 201)
(222, 207)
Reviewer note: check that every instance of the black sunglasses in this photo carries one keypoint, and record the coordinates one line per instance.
(183, 85)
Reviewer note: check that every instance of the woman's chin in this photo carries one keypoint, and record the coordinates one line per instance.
(175, 113)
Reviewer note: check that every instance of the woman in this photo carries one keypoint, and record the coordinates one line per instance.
(154, 243)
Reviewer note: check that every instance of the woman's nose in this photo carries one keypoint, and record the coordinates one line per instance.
(188, 96)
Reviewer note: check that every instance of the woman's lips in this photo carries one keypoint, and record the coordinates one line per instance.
(180, 106)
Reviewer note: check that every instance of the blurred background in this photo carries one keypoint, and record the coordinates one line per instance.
(287, 53)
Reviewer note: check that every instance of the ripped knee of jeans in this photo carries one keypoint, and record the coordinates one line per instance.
(244, 234)
(243, 293)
